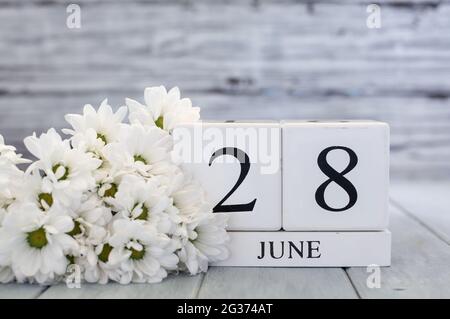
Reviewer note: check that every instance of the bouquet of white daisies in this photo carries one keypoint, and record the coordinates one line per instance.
(109, 199)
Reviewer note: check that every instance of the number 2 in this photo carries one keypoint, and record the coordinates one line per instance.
(244, 161)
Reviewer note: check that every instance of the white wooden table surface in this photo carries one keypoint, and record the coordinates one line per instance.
(420, 226)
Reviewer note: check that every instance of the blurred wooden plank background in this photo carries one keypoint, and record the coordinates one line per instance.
(237, 60)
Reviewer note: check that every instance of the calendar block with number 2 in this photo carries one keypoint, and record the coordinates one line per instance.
(238, 164)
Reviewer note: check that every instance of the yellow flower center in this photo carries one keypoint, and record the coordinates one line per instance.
(111, 191)
(70, 259)
(145, 212)
(76, 229)
(37, 238)
(137, 254)
(47, 198)
(56, 167)
(102, 137)
(104, 255)
(139, 158)
(160, 122)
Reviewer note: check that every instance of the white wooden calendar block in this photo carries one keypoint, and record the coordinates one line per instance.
(335, 175)
(308, 249)
(238, 164)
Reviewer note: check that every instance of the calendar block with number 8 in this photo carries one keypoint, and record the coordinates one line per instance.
(335, 175)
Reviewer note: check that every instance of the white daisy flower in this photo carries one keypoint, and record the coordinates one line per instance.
(35, 243)
(10, 175)
(88, 142)
(93, 130)
(110, 199)
(8, 154)
(144, 254)
(38, 190)
(108, 186)
(94, 222)
(163, 109)
(142, 150)
(204, 242)
(96, 266)
(104, 122)
(189, 197)
(6, 275)
(3, 213)
(93, 254)
(67, 170)
(143, 200)
(91, 210)
(91, 218)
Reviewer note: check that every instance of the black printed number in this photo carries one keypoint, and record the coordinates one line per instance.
(244, 161)
(337, 177)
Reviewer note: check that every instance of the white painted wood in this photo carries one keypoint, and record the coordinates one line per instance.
(173, 287)
(419, 126)
(20, 291)
(43, 58)
(419, 270)
(429, 202)
(234, 282)
(309, 249)
(222, 46)
(223, 156)
(420, 264)
(238, 59)
(335, 175)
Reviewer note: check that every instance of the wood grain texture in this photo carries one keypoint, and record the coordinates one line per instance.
(419, 264)
(174, 287)
(420, 260)
(214, 47)
(237, 59)
(429, 203)
(420, 128)
(242, 283)
(260, 59)
(22, 291)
